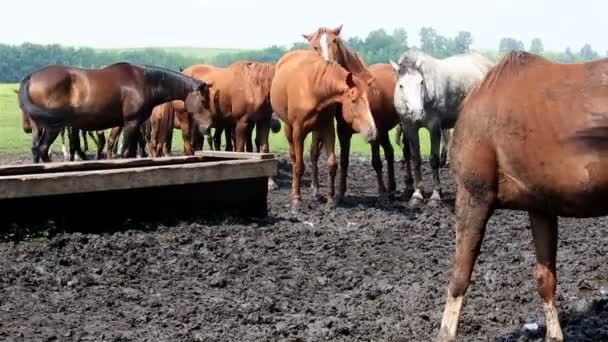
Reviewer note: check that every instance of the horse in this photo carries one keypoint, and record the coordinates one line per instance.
(304, 86)
(525, 140)
(192, 136)
(329, 44)
(239, 94)
(120, 94)
(428, 93)
(162, 121)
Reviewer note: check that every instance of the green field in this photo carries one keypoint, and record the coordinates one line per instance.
(14, 141)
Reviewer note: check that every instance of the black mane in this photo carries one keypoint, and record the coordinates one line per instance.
(164, 83)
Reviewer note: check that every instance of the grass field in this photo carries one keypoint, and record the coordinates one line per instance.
(14, 141)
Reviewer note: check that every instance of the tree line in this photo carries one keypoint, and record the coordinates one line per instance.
(378, 46)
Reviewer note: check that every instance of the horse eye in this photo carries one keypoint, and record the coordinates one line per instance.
(401, 86)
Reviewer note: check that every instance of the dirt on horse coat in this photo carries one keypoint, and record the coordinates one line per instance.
(239, 94)
(513, 149)
(381, 78)
(304, 86)
(121, 94)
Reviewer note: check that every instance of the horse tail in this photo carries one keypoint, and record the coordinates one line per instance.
(275, 124)
(42, 116)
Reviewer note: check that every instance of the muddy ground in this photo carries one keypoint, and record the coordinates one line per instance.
(362, 272)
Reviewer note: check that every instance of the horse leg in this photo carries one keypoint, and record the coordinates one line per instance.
(407, 159)
(446, 135)
(297, 142)
(414, 142)
(249, 136)
(48, 137)
(77, 147)
(345, 133)
(389, 155)
(217, 138)
(36, 139)
(113, 140)
(101, 138)
(377, 165)
(129, 140)
(154, 132)
(141, 140)
(328, 136)
(83, 133)
(230, 136)
(64, 148)
(241, 132)
(262, 132)
(472, 213)
(544, 234)
(435, 131)
(315, 152)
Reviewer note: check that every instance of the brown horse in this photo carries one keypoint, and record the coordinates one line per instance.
(512, 149)
(303, 88)
(121, 94)
(327, 43)
(239, 94)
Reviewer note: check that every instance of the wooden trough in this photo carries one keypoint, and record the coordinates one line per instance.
(210, 181)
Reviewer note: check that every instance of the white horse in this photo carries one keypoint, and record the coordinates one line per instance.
(428, 93)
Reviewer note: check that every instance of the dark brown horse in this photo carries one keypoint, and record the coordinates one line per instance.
(327, 43)
(512, 149)
(121, 94)
(303, 88)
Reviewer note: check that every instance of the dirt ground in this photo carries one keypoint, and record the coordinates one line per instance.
(362, 272)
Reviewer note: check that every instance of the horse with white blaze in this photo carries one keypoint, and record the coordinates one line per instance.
(428, 93)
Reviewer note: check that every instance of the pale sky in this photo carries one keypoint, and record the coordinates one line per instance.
(261, 23)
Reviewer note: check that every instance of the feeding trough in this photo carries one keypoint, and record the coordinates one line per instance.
(209, 181)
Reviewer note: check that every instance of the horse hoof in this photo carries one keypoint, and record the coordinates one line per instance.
(272, 186)
(415, 202)
(331, 203)
(339, 199)
(434, 203)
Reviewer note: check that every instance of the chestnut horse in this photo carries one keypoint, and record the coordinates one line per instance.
(162, 121)
(121, 94)
(513, 148)
(238, 94)
(327, 43)
(304, 86)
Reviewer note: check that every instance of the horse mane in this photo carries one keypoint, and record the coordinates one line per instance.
(260, 74)
(508, 67)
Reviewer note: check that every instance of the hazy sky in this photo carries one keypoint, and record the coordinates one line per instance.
(255, 24)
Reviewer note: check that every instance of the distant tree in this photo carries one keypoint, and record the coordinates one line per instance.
(587, 53)
(461, 43)
(536, 46)
(510, 44)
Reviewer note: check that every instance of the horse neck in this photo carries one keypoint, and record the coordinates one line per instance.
(164, 86)
(330, 84)
(349, 61)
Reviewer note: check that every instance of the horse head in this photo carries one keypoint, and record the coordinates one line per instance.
(355, 107)
(326, 42)
(412, 89)
(198, 103)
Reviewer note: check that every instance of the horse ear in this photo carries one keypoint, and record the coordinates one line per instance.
(181, 68)
(395, 65)
(307, 36)
(350, 80)
(338, 29)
